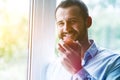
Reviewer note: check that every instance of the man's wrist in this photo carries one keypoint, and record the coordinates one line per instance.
(82, 74)
(78, 69)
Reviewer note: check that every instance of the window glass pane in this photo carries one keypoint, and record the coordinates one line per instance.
(105, 27)
(13, 39)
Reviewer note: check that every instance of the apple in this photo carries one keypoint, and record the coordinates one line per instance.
(71, 43)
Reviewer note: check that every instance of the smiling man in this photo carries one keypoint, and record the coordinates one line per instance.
(80, 57)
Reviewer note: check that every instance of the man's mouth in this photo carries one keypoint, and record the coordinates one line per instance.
(68, 36)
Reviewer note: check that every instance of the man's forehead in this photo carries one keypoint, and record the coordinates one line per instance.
(69, 12)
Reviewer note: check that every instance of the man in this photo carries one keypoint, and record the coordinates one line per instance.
(80, 58)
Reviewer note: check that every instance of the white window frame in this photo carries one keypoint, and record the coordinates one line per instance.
(41, 38)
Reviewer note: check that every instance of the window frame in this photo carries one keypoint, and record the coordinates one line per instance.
(41, 39)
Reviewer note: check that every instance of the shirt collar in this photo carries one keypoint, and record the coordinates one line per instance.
(90, 53)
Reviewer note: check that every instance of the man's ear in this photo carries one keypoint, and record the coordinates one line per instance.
(88, 22)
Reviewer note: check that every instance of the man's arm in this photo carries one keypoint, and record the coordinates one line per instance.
(114, 72)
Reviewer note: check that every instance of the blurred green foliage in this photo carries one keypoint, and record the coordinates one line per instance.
(13, 31)
(13, 39)
(105, 27)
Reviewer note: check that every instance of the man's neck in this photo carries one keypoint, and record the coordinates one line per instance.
(84, 47)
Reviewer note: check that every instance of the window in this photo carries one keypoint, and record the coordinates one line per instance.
(14, 27)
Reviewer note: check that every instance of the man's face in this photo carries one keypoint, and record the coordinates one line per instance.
(70, 23)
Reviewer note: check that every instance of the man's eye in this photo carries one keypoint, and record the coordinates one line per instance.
(73, 21)
(60, 24)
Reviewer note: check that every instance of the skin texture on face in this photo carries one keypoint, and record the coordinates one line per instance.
(70, 23)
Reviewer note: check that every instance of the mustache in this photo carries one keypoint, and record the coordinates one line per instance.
(61, 35)
(68, 32)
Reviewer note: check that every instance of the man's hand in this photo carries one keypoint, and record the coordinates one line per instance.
(70, 52)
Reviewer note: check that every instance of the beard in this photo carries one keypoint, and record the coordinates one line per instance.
(82, 35)
(74, 35)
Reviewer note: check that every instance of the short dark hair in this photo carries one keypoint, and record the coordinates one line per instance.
(79, 3)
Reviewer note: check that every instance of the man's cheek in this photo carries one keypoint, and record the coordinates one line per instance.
(60, 35)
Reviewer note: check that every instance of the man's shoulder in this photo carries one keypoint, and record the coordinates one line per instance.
(105, 56)
(107, 53)
(104, 61)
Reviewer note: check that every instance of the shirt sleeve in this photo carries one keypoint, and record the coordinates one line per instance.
(114, 72)
(82, 75)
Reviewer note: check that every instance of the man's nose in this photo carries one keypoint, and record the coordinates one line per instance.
(67, 27)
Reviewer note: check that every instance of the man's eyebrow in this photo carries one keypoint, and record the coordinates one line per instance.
(57, 21)
(70, 18)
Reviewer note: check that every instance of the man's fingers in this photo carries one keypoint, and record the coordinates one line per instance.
(60, 48)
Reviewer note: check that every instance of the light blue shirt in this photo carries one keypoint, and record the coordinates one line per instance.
(98, 64)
